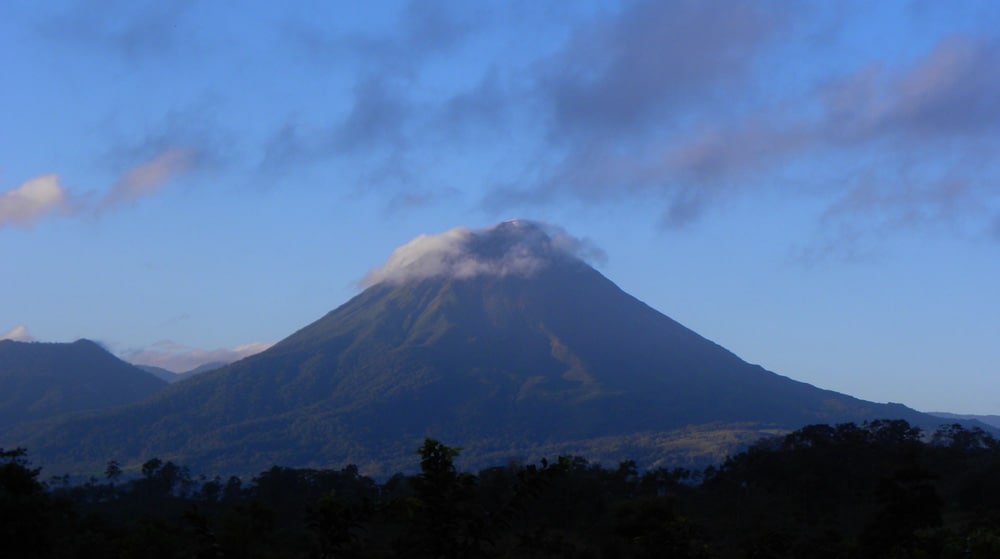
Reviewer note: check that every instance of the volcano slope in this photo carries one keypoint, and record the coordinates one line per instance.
(501, 341)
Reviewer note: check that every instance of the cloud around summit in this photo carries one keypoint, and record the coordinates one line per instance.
(512, 248)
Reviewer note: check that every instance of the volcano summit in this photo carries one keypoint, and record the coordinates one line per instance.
(503, 341)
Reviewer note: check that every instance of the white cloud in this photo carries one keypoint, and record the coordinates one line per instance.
(18, 333)
(514, 247)
(178, 358)
(31, 201)
(43, 195)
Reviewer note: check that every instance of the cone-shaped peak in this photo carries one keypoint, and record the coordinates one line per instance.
(457, 342)
(514, 247)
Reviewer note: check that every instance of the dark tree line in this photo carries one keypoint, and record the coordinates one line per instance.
(880, 490)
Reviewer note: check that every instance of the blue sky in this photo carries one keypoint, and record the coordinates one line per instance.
(813, 185)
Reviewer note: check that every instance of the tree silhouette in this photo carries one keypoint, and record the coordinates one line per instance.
(449, 522)
(24, 507)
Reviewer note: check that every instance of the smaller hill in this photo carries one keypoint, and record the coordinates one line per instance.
(990, 420)
(45, 380)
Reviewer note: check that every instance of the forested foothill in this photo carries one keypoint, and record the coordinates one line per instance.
(882, 489)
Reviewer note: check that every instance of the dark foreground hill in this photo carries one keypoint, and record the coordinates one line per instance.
(872, 491)
(500, 341)
(45, 380)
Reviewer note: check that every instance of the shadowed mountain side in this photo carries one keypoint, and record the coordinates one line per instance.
(503, 366)
(501, 341)
(40, 381)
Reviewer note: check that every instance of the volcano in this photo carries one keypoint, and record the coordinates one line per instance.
(503, 341)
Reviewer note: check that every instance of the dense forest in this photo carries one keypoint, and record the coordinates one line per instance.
(882, 489)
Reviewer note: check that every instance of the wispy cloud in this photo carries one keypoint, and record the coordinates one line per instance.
(930, 124)
(149, 177)
(627, 88)
(33, 200)
(179, 358)
(424, 28)
(672, 102)
(45, 196)
(134, 30)
(18, 333)
(377, 134)
(375, 120)
(944, 96)
(679, 106)
(629, 74)
(682, 106)
(372, 134)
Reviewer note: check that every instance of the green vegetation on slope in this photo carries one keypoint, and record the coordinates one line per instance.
(40, 381)
(562, 361)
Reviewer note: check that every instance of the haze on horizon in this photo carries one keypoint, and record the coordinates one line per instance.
(814, 187)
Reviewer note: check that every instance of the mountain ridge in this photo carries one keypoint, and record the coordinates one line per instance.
(501, 341)
(40, 381)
